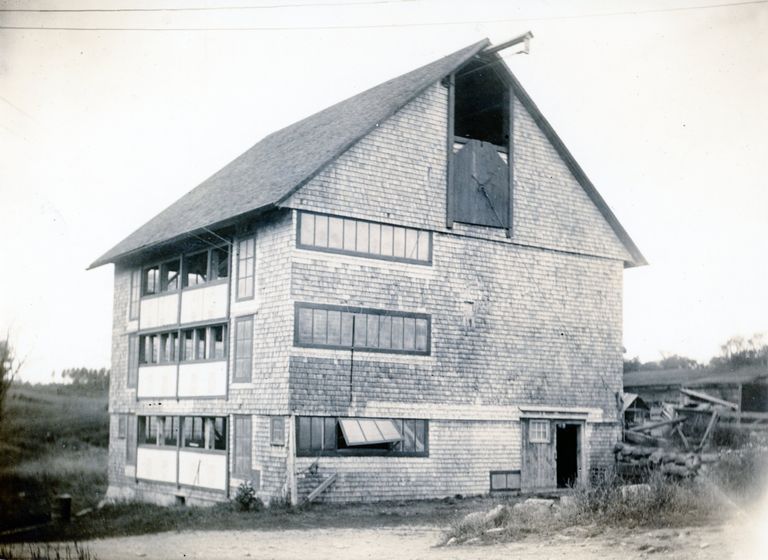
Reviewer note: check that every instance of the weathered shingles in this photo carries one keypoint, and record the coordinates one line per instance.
(275, 167)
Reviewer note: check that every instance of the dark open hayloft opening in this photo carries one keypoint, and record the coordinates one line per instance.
(482, 104)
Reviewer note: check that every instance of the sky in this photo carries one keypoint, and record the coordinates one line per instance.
(663, 103)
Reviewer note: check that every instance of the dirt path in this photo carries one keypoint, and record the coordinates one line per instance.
(417, 543)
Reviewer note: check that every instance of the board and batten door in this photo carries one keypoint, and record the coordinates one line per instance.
(539, 469)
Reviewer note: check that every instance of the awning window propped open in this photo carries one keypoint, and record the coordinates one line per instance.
(369, 431)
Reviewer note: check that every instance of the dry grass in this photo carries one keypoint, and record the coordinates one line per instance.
(741, 476)
(46, 552)
(51, 442)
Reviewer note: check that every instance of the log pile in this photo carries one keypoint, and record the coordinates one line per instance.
(668, 461)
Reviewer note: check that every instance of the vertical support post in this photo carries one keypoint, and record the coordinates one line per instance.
(292, 482)
(510, 157)
(449, 198)
(352, 361)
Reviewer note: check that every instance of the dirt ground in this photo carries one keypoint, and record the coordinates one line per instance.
(737, 540)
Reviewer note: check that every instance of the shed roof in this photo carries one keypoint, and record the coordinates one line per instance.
(694, 377)
(273, 169)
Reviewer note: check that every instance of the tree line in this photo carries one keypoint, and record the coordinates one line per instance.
(737, 351)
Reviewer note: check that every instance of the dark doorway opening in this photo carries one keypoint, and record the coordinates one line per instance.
(567, 456)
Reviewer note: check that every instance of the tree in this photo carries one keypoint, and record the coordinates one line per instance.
(89, 380)
(738, 351)
(9, 366)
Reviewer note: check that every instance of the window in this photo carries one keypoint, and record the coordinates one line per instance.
(241, 455)
(158, 430)
(361, 237)
(206, 266)
(505, 480)
(121, 423)
(243, 361)
(316, 435)
(538, 431)
(130, 441)
(246, 267)
(133, 361)
(204, 432)
(161, 278)
(198, 344)
(374, 330)
(133, 306)
(277, 430)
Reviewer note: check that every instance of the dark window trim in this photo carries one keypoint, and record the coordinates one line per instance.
(236, 279)
(300, 245)
(507, 472)
(363, 452)
(367, 310)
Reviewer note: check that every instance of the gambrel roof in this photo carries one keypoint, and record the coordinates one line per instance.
(272, 170)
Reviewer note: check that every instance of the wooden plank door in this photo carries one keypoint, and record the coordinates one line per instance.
(539, 470)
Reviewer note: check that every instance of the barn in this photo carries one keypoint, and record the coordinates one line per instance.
(414, 293)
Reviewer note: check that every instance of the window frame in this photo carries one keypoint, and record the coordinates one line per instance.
(353, 451)
(239, 471)
(209, 269)
(365, 311)
(242, 273)
(236, 377)
(134, 300)
(208, 426)
(366, 254)
(159, 282)
(506, 474)
(179, 347)
(277, 426)
(537, 438)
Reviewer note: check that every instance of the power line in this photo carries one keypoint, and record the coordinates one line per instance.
(391, 25)
(196, 8)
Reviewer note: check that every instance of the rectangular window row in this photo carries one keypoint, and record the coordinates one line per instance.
(318, 435)
(182, 272)
(361, 237)
(199, 343)
(364, 329)
(193, 432)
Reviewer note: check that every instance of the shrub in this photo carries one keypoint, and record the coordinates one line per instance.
(246, 499)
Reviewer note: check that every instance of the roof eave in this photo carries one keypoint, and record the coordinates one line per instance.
(108, 258)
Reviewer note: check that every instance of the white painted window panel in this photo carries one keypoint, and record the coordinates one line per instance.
(157, 381)
(156, 464)
(207, 470)
(207, 379)
(204, 304)
(159, 311)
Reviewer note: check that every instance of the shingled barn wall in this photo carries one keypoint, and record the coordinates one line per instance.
(533, 322)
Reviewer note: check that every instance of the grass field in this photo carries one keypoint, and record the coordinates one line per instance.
(51, 442)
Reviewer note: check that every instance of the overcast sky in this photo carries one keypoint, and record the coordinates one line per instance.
(665, 108)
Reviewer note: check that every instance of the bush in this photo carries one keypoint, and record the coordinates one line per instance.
(742, 473)
(245, 498)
